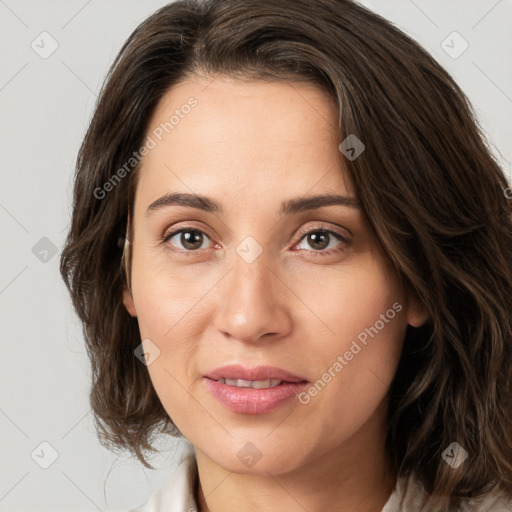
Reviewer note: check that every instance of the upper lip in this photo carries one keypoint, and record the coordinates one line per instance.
(235, 371)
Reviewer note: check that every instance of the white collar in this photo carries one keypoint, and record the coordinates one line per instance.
(178, 494)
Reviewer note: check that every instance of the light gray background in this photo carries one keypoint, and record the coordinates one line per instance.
(45, 106)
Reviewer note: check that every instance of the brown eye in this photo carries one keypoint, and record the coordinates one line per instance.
(318, 240)
(190, 239)
(323, 241)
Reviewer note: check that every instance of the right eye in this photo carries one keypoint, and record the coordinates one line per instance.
(191, 239)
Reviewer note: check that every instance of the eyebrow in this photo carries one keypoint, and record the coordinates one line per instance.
(290, 206)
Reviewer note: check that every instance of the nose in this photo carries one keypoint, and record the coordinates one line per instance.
(254, 302)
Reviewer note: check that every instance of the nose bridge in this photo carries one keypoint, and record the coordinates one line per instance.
(251, 280)
(250, 307)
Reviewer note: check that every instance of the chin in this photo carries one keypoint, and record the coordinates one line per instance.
(250, 460)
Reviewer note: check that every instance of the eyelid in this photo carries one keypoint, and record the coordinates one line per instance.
(327, 229)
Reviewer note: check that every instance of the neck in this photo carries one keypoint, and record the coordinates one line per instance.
(354, 477)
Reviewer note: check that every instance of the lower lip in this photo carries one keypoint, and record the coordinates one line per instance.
(254, 401)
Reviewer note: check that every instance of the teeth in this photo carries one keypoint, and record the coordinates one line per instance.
(255, 384)
(260, 384)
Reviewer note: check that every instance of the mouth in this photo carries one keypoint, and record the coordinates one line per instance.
(263, 376)
(254, 384)
(253, 390)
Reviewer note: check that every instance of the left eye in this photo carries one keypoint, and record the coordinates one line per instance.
(320, 240)
(190, 239)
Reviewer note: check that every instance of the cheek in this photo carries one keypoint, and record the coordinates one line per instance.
(364, 324)
(168, 315)
(362, 384)
(173, 322)
(175, 367)
(166, 295)
(342, 303)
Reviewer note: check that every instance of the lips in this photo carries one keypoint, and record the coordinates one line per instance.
(259, 373)
(258, 390)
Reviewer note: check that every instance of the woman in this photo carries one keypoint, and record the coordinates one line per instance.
(291, 245)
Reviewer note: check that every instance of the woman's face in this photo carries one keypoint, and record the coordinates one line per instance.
(260, 275)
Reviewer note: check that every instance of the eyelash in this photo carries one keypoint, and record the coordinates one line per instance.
(342, 238)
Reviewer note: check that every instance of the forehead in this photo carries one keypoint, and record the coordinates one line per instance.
(252, 137)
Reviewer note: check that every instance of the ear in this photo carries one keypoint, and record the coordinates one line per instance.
(417, 313)
(128, 301)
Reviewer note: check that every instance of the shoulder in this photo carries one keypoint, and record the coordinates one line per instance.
(410, 496)
(490, 502)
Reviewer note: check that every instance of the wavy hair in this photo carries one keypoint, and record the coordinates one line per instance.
(433, 193)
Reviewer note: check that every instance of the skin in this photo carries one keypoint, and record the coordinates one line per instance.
(250, 146)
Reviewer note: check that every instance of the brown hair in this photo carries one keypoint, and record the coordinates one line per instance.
(428, 183)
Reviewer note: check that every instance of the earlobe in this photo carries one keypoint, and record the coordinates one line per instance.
(417, 313)
(128, 302)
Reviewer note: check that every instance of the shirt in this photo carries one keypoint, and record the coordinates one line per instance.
(178, 495)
